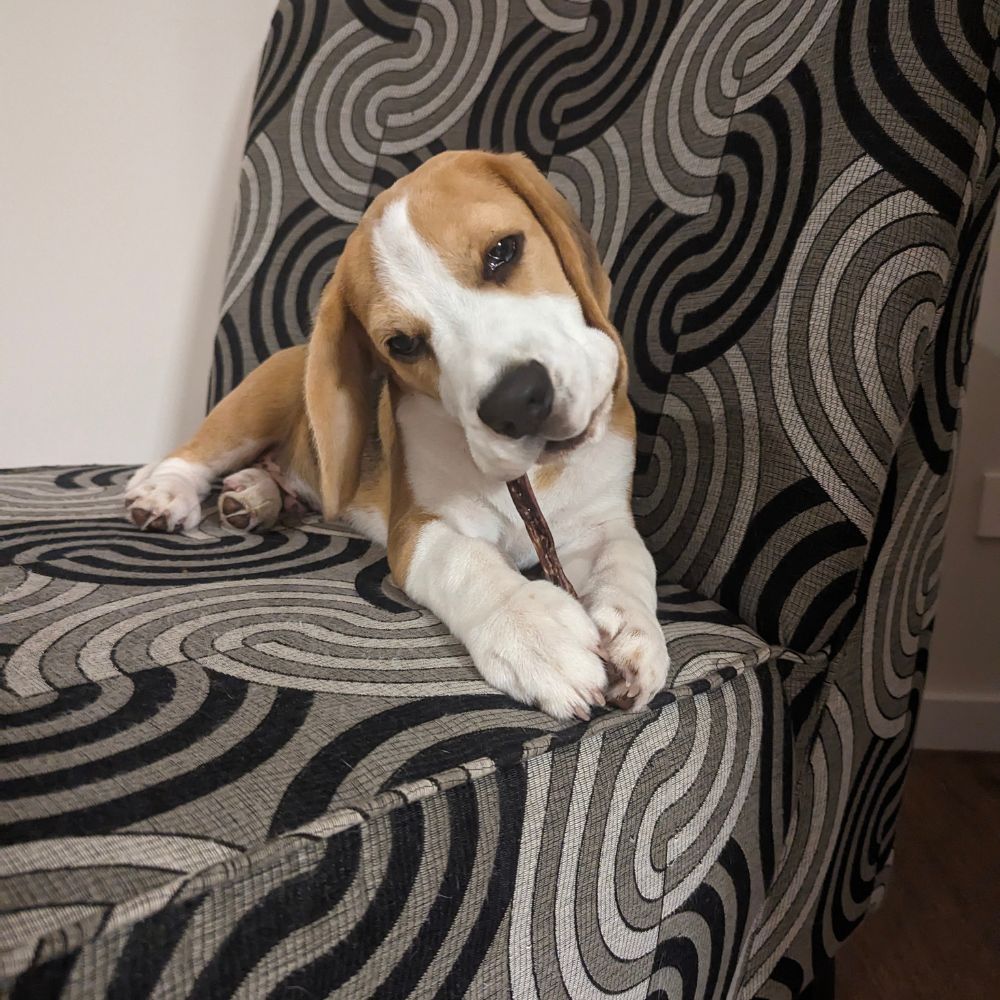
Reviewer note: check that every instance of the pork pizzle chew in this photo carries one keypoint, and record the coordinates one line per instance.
(545, 548)
(538, 531)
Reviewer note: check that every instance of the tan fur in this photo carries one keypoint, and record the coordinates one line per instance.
(339, 388)
(405, 516)
(374, 493)
(266, 409)
(314, 408)
(572, 242)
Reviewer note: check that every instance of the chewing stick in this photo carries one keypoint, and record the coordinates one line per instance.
(538, 531)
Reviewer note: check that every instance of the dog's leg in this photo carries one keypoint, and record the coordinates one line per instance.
(264, 409)
(616, 580)
(528, 638)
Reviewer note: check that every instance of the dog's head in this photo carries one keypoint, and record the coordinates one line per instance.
(470, 281)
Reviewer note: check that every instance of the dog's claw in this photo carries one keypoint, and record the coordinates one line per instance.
(620, 696)
(143, 519)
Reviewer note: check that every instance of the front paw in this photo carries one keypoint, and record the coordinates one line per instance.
(633, 642)
(165, 497)
(542, 648)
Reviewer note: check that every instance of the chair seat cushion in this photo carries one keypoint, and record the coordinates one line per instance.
(172, 706)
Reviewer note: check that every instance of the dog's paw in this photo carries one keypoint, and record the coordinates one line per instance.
(541, 648)
(633, 642)
(250, 499)
(166, 496)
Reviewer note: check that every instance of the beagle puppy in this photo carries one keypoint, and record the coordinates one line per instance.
(463, 341)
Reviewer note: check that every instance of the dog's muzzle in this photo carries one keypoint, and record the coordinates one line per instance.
(520, 402)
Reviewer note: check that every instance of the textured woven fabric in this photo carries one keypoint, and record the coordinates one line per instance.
(248, 766)
(845, 809)
(256, 746)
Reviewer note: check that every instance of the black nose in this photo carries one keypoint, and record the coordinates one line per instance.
(520, 402)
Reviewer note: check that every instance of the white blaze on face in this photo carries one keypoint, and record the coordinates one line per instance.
(479, 333)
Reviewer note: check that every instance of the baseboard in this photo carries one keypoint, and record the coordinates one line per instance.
(959, 722)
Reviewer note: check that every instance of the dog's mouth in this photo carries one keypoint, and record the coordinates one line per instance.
(507, 458)
(562, 445)
(568, 444)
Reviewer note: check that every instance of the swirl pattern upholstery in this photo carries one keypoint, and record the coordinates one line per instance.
(248, 766)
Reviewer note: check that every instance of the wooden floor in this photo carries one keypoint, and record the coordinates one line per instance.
(937, 934)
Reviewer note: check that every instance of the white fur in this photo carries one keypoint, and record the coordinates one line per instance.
(478, 333)
(173, 488)
(529, 639)
(369, 522)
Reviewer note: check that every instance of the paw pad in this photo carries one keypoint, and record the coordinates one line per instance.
(251, 499)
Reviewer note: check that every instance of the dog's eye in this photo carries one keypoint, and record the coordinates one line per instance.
(502, 254)
(402, 345)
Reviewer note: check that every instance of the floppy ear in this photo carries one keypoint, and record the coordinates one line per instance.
(340, 394)
(573, 243)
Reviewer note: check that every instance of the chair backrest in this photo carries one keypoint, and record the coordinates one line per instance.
(783, 193)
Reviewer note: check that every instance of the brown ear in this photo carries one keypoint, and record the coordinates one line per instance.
(573, 243)
(340, 394)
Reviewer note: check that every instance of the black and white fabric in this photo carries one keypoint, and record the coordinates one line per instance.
(248, 766)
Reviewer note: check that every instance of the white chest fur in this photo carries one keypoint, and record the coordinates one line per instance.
(591, 487)
(526, 637)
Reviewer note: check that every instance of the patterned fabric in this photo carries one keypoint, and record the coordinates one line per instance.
(197, 727)
(250, 767)
(848, 797)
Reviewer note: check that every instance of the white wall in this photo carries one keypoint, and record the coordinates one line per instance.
(122, 128)
(121, 135)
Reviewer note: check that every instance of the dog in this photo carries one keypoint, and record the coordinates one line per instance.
(463, 340)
